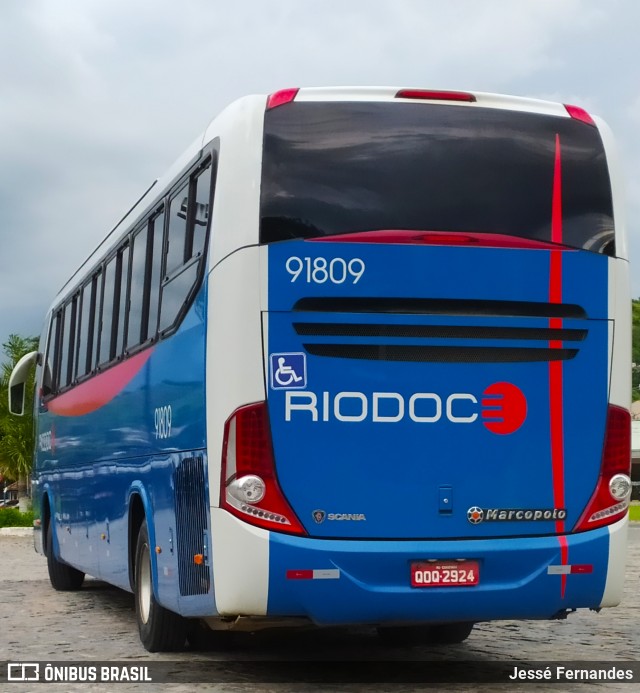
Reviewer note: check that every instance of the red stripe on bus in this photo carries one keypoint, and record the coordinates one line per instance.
(557, 432)
(556, 390)
(564, 560)
(100, 389)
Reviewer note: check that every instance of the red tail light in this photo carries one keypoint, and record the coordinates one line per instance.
(247, 455)
(580, 114)
(431, 95)
(281, 97)
(603, 508)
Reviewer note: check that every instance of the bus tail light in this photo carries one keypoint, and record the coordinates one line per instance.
(478, 239)
(250, 488)
(610, 500)
(279, 98)
(580, 114)
(435, 95)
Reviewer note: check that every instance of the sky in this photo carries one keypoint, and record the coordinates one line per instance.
(98, 97)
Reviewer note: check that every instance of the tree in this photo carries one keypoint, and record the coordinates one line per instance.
(16, 433)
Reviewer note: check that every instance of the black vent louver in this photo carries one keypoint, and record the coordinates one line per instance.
(521, 348)
(191, 526)
(449, 306)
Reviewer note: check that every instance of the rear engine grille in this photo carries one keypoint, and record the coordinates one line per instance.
(439, 354)
(429, 306)
(325, 329)
(519, 350)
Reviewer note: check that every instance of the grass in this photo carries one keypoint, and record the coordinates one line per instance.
(634, 513)
(12, 517)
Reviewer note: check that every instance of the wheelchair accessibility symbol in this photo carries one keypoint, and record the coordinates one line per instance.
(288, 371)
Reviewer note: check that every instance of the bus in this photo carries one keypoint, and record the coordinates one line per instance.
(361, 357)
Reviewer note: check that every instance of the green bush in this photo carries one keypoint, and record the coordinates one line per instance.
(12, 517)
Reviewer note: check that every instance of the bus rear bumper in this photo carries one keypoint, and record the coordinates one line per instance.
(355, 582)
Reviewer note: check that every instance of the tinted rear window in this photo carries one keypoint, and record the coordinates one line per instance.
(335, 168)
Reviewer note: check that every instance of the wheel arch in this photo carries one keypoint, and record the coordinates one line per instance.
(140, 510)
(46, 503)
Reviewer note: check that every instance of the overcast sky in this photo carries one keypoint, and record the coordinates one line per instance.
(98, 97)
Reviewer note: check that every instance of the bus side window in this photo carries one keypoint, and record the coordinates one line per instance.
(49, 366)
(153, 272)
(47, 378)
(66, 344)
(85, 331)
(200, 214)
(175, 293)
(176, 232)
(135, 334)
(81, 340)
(73, 338)
(106, 329)
(120, 301)
(194, 209)
(96, 299)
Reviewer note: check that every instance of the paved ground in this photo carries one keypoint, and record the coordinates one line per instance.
(98, 623)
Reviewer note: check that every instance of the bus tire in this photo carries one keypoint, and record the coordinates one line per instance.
(438, 634)
(160, 630)
(63, 577)
(450, 633)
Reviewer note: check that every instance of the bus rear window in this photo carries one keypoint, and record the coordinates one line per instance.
(336, 168)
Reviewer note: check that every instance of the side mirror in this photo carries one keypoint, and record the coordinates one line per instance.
(18, 380)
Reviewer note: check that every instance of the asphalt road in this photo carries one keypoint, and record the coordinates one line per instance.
(38, 624)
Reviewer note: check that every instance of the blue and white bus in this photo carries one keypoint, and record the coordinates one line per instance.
(362, 356)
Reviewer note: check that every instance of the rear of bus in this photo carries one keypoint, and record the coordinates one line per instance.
(444, 305)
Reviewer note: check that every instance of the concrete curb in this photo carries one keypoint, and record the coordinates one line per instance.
(16, 531)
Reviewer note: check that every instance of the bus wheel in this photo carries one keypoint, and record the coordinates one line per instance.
(439, 634)
(63, 577)
(161, 630)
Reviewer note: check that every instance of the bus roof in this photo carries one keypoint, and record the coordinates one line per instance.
(255, 104)
(479, 99)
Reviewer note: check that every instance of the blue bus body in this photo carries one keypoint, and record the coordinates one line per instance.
(388, 425)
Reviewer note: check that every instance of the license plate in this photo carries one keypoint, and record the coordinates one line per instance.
(445, 574)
